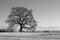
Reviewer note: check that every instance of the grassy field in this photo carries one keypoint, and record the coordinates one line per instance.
(30, 36)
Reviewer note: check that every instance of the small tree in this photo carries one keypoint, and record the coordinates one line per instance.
(23, 17)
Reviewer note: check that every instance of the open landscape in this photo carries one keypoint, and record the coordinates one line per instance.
(29, 19)
(30, 36)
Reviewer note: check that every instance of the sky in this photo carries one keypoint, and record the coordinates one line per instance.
(45, 12)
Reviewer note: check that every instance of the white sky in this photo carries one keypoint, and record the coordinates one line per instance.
(46, 12)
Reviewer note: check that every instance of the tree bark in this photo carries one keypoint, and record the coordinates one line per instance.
(20, 28)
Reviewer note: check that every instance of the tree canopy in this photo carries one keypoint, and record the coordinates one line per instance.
(23, 17)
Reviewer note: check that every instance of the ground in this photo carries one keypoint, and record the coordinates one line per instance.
(29, 36)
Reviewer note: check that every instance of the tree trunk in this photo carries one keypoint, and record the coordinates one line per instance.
(20, 28)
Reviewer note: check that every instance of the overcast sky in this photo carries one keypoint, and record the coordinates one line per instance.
(46, 12)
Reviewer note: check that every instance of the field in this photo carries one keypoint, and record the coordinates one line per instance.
(30, 36)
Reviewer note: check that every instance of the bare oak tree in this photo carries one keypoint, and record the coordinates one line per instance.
(23, 17)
